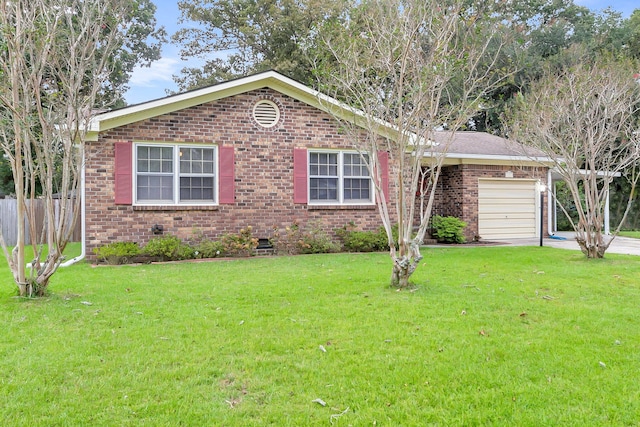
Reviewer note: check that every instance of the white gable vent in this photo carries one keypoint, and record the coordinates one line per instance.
(266, 113)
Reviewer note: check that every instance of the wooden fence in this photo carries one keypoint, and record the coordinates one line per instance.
(9, 220)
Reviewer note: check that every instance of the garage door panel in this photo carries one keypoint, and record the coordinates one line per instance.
(508, 193)
(513, 216)
(507, 208)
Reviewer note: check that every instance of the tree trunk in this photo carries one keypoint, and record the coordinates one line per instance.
(591, 241)
(405, 265)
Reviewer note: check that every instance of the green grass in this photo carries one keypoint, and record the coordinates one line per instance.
(500, 336)
(634, 234)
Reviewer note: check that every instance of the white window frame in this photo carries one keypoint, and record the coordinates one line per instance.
(176, 147)
(340, 190)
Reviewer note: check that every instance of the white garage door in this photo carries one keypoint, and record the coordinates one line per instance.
(507, 208)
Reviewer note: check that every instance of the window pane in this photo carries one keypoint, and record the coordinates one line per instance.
(323, 188)
(323, 164)
(354, 165)
(357, 189)
(155, 166)
(167, 166)
(197, 161)
(143, 152)
(153, 187)
(196, 188)
(155, 159)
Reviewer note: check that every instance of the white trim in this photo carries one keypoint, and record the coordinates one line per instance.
(340, 177)
(176, 146)
(493, 157)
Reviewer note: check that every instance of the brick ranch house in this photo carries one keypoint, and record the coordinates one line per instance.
(262, 151)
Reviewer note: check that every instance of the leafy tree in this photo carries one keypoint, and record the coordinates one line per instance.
(420, 66)
(141, 44)
(253, 35)
(56, 58)
(633, 28)
(585, 116)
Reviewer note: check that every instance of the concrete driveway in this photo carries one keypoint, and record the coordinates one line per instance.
(620, 245)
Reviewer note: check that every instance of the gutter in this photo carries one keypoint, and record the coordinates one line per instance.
(83, 218)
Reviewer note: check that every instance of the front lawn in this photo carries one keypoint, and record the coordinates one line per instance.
(633, 234)
(522, 336)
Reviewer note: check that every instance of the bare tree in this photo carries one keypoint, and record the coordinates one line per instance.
(53, 64)
(585, 117)
(412, 72)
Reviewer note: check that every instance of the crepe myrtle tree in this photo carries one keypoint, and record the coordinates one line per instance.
(54, 57)
(585, 115)
(410, 73)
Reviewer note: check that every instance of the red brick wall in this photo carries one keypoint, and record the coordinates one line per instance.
(263, 172)
(457, 193)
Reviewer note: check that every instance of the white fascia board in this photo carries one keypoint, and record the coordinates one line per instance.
(173, 103)
(558, 176)
(543, 160)
(269, 79)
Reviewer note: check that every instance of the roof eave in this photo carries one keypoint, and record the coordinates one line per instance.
(268, 79)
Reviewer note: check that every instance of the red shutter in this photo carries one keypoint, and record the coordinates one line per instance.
(299, 175)
(123, 175)
(383, 161)
(226, 174)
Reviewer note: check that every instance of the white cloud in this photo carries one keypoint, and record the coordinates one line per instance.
(160, 71)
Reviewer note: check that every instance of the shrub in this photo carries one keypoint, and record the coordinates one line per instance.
(364, 241)
(117, 252)
(168, 248)
(316, 241)
(448, 229)
(241, 244)
(287, 242)
(294, 240)
(204, 247)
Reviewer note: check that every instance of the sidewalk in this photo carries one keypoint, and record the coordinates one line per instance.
(620, 245)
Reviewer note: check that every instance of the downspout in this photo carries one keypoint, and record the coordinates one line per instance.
(551, 202)
(82, 219)
(607, 226)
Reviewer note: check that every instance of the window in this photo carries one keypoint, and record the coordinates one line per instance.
(168, 174)
(339, 178)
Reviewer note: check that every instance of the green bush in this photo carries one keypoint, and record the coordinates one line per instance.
(316, 241)
(364, 241)
(168, 248)
(240, 244)
(117, 252)
(204, 247)
(295, 240)
(448, 229)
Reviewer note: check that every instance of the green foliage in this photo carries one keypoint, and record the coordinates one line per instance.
(240, 244)
(117, 252)
(142, 44)
(168, 248)
(204, 247)
(364, 241)
(259, 36)
(239, 341)
(448, 229)
(295, 240)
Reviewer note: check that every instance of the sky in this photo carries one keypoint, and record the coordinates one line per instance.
(148, 83)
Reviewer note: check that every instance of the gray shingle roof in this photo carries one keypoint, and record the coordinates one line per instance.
(485, 145)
